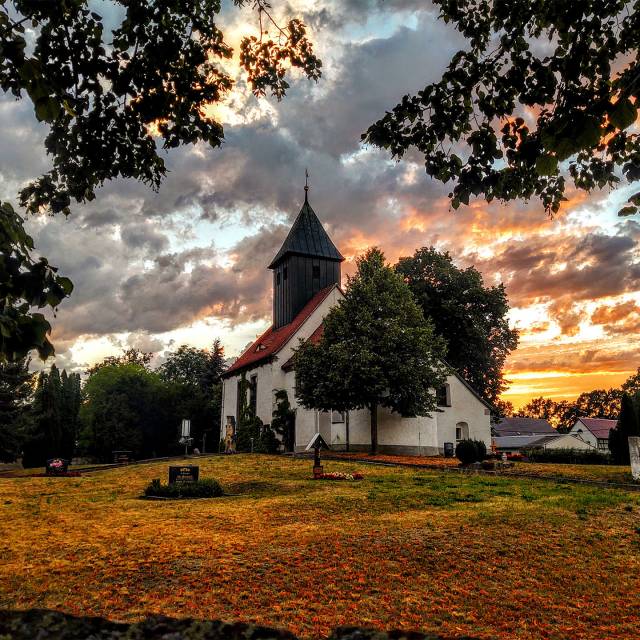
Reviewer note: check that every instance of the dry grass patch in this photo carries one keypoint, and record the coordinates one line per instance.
(485, 556)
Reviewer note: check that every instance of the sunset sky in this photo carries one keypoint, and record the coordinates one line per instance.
(188, 264)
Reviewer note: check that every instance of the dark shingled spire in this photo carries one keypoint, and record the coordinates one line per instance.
(307, 238)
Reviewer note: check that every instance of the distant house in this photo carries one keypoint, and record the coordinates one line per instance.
(594, 431)
(512, 435)
(519, 426)
(515, 444)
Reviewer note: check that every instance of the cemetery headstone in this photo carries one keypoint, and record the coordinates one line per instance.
(56, 466)
(122, 457)
(316, 443)
(634, 455)
(448, 450)
(184, 473)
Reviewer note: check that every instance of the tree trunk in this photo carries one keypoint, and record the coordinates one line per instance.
(373, 410)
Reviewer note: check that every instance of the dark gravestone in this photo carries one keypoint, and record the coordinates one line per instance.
(56, 466)
(448, 450)
(184, 473)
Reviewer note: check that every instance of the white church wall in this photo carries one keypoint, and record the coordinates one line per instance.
(465, 408)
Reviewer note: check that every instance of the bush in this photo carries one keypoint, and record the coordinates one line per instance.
(470, 451)
(481, 450)
(208, 488)
(567, 456)
(264, 438)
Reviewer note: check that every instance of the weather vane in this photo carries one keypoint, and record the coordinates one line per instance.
(306, 180)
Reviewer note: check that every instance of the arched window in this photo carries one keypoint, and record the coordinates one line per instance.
(462, 431)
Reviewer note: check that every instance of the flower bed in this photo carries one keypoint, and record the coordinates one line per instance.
(336, 475)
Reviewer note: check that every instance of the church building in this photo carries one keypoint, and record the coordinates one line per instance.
(306, 284)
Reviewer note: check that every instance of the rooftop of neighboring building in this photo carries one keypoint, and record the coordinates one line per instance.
(599, 427)
(519, 426)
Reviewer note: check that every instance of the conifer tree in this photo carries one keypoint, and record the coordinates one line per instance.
(377, 349)
(53, 422)
(627, 425)
(16, 391)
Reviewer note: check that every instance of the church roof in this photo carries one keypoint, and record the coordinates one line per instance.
(307, 237)
(271, 341)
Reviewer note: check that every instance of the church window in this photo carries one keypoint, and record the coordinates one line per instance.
(443, 396)
(253, 394)
(462, 431)
(316, 272)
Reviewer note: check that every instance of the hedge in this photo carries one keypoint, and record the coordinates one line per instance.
(53, 625)
(567, 456)
(208, 488)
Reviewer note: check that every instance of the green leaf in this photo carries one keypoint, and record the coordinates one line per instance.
(546, 165)
(47, 109)
(623, 114)
(628, 210)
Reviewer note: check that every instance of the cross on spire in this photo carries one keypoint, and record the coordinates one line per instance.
(306, 184)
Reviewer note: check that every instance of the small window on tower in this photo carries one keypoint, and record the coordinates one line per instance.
(316, 272)
(284, 273)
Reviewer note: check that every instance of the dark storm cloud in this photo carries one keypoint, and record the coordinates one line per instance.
(597, 265)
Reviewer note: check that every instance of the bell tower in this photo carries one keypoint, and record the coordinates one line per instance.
(307, 262)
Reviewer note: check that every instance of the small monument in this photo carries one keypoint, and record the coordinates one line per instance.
(186, 435)
(316, 443)
(634, 456)
(230, 435)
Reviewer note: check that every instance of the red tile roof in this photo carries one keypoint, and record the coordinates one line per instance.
(599, 427)
(314, 338)
(270, 342)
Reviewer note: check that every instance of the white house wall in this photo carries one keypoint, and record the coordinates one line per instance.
(465, 407)
(569, 441)
(580, 430)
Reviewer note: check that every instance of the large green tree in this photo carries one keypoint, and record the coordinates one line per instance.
(16, 393)
(128, 408)
(112, 99)
(544, 90)
(377, 350)
(195, 375)
(628, 425)
(471, 317)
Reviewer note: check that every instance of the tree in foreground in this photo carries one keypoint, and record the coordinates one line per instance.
(544, 89)
(377, 350)
(16, 392)
(111, 99)
(471, 318)
(627, 425)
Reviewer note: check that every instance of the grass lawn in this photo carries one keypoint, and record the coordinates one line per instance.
(492, 557)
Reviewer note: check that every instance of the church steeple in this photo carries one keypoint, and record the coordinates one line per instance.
(307, 262)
